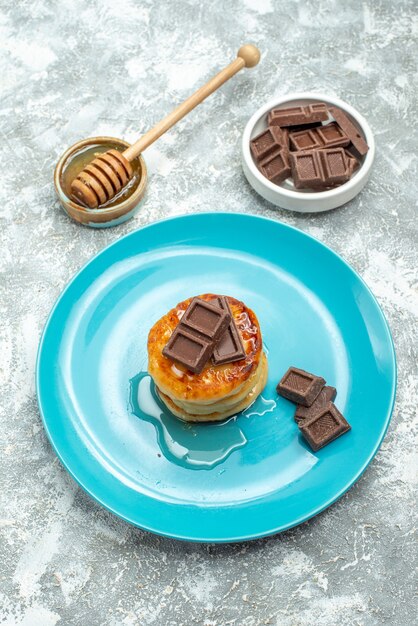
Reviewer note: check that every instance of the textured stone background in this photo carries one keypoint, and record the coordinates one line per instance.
(70, 69)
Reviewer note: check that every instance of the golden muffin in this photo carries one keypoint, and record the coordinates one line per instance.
(219, 390)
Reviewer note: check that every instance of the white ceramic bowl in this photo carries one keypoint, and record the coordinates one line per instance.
(285, 195)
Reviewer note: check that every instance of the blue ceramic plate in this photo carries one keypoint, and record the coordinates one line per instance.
(253, 475)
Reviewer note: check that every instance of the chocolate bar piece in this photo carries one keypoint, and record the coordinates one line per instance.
(230, 347)
(353, 162)
(350, 130)
(334, 165)
(326, 395)
(324, 427)
(197, 334)
(267, 142)
(206, 319)
(319, 169)
(332, 136)
(189, 349)
(328, 136)
(276, 167)
(298, 115)
(300, 387)
(307, 169)
(304, 140)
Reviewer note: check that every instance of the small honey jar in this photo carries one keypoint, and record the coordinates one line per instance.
(117, 210)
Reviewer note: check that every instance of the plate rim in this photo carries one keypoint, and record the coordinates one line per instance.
(243, 537)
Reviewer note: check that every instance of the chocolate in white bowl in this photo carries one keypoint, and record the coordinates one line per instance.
(285, 195)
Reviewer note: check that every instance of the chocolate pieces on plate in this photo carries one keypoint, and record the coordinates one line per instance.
(324, 427)
(319, 420)
(299, 386)
(326, 395)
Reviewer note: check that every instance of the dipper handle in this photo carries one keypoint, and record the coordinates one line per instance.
(248, 56)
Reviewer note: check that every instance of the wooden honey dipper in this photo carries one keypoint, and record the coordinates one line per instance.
(108, 173)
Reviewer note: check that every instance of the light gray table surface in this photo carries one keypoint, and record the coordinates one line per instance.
(74, 69)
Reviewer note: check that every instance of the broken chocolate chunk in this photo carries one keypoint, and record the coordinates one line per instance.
(293, 116)
(307, 169)
(197, 334)
(353, 162)
(230, 347)
(267, 142)
(326, 395)
(324, 427)
(188, 349)
(350, 130)
(276, 166)
(304, 140)
(319, 169)
(299, 386)
(205, 319)
(334, 165)
(332, 136)
(328, 136)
